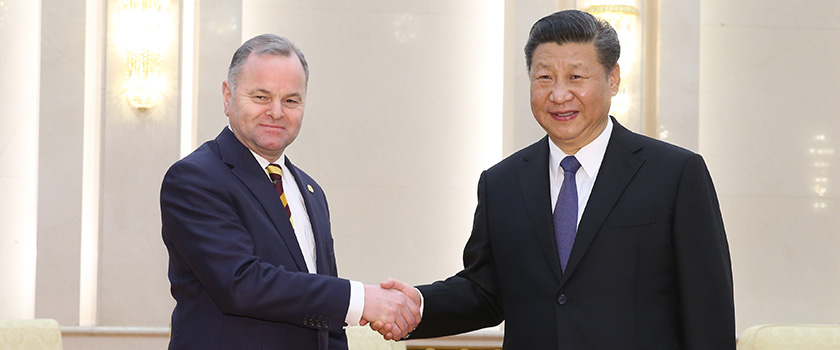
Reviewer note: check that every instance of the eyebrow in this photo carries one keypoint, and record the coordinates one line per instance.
(267, 92)
(296, 94)
(259, 90)
(575, 65)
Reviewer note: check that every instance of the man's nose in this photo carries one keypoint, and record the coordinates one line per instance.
(560, 93)
(275, 110)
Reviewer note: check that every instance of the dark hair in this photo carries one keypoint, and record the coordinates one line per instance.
(575, 26)
(266, 44)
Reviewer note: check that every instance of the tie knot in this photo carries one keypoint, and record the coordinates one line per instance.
(570, 164)
(274, 171)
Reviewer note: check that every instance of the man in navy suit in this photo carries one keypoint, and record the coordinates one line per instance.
(251, 260)
(636, 259)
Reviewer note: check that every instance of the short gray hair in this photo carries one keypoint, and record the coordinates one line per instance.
(266, 44)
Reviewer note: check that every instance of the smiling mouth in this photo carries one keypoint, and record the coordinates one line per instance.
(272, 126)
(564, 116)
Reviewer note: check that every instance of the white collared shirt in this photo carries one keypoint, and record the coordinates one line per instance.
(590, 158)
(305, 237)
(302, 226)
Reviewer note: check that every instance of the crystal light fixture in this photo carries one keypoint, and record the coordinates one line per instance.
(625, 17)
(142, 26)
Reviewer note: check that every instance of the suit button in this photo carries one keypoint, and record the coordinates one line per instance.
(562, 299)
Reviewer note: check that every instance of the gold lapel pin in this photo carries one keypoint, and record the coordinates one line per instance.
(311, 190)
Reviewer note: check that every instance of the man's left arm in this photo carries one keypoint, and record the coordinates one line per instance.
(704, 269)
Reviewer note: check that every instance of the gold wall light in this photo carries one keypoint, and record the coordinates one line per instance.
(624, 16)
(142, 29)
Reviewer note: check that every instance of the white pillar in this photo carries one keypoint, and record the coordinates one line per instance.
(20, 29)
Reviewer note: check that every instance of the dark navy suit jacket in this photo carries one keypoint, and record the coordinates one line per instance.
(649, 269)
(236, 270)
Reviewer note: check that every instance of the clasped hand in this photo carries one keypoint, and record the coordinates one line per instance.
(392, 309)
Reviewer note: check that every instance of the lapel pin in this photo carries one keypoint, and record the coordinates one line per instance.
(311, 190)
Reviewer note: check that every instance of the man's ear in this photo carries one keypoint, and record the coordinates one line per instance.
(615, 79)
(226, 93)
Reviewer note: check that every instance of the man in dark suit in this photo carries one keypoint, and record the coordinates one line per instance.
(251, 260)
(593, 238)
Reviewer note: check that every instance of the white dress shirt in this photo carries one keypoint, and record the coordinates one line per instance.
(590, 158)
(305, 237)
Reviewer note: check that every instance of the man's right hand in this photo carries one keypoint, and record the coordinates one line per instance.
(403, 287)
(392, 312)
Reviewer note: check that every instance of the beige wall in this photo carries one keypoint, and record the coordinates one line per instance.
(60, 141)
(19, 99)
(408, 102)
(398, 159)
(767, 90)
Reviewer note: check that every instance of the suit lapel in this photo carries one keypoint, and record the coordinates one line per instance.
(618, 168)
(245, 167)
(318, 219)
(534, 183)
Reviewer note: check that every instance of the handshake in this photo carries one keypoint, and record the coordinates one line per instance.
(392, 309)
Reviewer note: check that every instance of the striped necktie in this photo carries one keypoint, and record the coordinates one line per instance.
(276, 173)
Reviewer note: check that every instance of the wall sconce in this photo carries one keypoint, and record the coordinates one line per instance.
(624, 16)
(142, 29)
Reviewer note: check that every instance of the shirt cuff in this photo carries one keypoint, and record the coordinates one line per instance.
(357, 303)
(422, 302)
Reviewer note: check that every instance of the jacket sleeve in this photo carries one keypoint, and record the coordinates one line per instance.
(704, 272)
(470, 299)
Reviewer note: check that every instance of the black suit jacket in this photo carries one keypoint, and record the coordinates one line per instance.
(649, 268)
(236, 270)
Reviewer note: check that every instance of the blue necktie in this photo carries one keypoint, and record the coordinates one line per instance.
(566, 210)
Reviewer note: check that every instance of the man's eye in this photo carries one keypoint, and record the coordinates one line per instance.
(291, 103)
(576, 77)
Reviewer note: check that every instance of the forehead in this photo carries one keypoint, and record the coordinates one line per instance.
(272, 70)
(568, 55)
